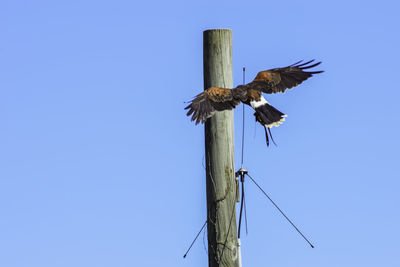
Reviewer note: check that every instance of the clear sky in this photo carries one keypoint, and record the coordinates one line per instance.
(99, 166)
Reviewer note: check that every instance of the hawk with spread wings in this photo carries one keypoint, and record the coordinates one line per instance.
(214, 99)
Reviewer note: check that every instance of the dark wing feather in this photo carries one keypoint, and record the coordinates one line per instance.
(278, 80)
(204, 105)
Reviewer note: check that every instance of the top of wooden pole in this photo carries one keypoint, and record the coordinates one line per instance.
(217, 58)
(222, 29)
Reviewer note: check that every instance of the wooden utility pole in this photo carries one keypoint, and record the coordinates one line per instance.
(219, 147)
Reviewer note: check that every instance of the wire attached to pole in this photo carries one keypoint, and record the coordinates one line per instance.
(184, 256)
(245, 213)
(229, 229)
(284, 215)
(241, 209)
(241, 172)
(244, 74)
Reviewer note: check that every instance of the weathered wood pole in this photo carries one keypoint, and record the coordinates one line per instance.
(219, 147)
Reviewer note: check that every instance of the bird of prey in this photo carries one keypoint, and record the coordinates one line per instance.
(213, 99)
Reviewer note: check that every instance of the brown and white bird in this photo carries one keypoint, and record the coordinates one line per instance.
(214, 99)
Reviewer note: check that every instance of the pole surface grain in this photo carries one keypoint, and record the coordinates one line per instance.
(219, 150)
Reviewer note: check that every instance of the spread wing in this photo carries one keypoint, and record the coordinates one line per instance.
(204, 105)
(278, 80)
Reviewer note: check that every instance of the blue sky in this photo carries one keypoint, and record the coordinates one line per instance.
(99, 166)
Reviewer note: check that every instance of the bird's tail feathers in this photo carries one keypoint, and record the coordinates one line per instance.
(269, 116)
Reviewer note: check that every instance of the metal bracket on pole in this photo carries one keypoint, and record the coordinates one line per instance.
(241, 172)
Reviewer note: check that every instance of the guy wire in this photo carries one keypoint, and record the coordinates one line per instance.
(284, 215)
(184, 256)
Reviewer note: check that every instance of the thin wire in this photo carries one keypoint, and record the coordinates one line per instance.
(244, 73)
(184, 256)
(204, 243)
(241, 207)
(229, 229)
(276, 206)
(245, 213)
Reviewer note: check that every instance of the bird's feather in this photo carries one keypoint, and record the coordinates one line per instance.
(280, 79)
(205, 104)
